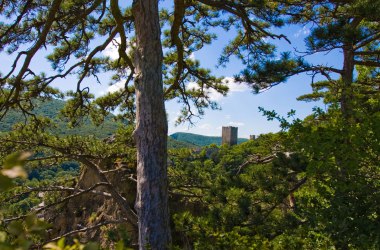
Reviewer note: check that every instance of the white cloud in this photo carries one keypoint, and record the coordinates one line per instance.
(112, 49)
(192, 56)
(236, 124)
(116, 87)
(212, 93)
(304, 32)
(192, 86)
(234, 86)
(227, 117)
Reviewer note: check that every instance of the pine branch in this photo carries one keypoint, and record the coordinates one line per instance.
(179, 12)
(367, 63)
(116, 13)
(53, 189)
(371, 38)
(367, 53)
(18, 19)
(92, 54)
(238, 10)
(298, 185)
(256, 159)
(31, 52)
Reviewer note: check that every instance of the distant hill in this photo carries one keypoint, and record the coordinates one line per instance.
(48, 109)
(200, 140)
(175, 144)
(52, 108)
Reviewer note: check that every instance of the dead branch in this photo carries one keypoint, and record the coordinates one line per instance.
(58, 202)
(256, 159)
(85, 229)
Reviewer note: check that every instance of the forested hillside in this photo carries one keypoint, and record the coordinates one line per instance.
(51, 109)
(200, 140)
(173, 143)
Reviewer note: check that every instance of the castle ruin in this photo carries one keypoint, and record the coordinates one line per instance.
(229, 135)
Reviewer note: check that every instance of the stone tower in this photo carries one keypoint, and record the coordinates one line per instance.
(229, 135)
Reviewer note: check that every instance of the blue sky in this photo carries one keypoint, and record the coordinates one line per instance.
(240, 107)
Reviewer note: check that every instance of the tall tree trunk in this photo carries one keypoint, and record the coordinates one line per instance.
(151, 130)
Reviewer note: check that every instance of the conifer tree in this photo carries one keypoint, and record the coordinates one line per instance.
(340, 139)
(76, 32)
(347, 27)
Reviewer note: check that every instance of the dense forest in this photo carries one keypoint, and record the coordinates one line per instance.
(85, 172)
(201, 140)
(51, 109)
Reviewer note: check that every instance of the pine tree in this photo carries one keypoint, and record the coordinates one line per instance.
(347, 27)
(339, 140)
(68, 28)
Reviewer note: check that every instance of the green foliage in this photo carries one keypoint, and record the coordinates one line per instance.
(31, 231)
(22, 234)
(12, 168)
(323, 197)
(200, 140)
(313, 186)
(61, 245)
(18, 234)
(176, 144)
(52, 109)
(343, 201)
(235, 197)
(270, 72)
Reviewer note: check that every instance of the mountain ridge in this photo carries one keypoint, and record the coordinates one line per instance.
(200, 140)
(51, 110)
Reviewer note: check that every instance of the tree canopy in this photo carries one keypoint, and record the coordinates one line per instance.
(315, 185)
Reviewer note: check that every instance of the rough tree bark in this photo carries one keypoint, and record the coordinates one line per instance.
(151, 130)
